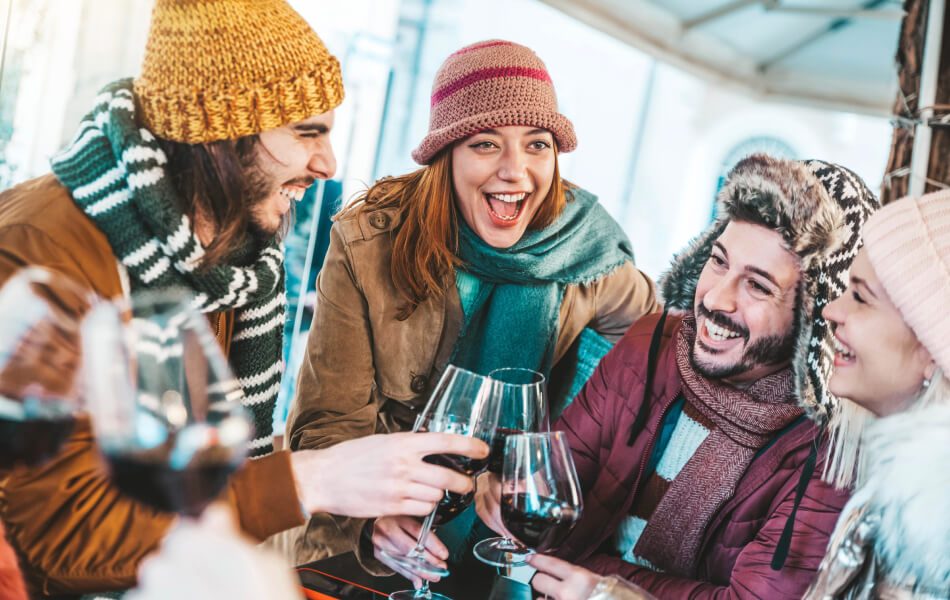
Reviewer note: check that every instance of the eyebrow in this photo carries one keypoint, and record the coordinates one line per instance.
(314, 127)
(858, 281)
(534, 131)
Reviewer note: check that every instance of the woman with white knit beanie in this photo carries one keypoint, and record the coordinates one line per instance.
(893, 353)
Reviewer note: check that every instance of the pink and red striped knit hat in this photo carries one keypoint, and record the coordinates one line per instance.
(492, 84)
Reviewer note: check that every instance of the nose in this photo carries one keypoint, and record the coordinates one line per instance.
(322, 164)
(513, 165)
(721, 296)
(834, 310)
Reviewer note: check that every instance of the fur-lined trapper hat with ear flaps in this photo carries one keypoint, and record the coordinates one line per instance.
(819, 209)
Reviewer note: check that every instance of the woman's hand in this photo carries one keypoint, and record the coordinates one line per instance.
(488, 503)
(382, 475)
(398, 535)
(560, 580)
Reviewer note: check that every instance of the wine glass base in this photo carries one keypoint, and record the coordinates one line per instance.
(501, 552)
(417, 595)
(415, 564)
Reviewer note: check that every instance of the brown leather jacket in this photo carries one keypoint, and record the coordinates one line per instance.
(73, 531)
(367, 372)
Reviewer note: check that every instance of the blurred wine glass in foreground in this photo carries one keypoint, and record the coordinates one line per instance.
(40, 358)
(166, 408)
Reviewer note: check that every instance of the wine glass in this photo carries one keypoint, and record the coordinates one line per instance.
(464, 403)
(540, 494)
(40, 357)
(523, 397)
(166, 408)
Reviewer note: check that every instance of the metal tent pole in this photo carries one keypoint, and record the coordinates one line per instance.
(929, 73)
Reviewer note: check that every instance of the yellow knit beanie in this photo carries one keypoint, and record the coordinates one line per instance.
(223, 69)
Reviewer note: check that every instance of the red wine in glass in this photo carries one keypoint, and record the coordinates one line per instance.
(453, 504)
(539, 522)
(496, 460)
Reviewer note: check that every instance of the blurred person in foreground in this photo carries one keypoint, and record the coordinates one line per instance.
(183, 177)
(892, 358)
(701, 469)
(485, 258)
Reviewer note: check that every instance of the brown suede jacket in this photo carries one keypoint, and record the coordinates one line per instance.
(72, 529)
(368, 372)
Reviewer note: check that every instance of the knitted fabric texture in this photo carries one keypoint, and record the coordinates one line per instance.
(743, 422)
(115, 171)
(492, 84)
(908, 243)
(821, 224)
(514, 318)
(223, 69)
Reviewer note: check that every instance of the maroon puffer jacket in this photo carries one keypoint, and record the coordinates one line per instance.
(739, 544)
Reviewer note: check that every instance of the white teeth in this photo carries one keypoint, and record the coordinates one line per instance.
(719, 333)
(844, 352)
(294, 193)
(509, 197)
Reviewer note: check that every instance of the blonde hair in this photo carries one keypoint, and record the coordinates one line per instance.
(845, 466)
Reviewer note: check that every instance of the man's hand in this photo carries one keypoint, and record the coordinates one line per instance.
(382, 475)
(488, 503)
(560, 580)
(398, 535)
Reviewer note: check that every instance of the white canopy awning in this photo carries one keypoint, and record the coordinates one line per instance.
(832, 53)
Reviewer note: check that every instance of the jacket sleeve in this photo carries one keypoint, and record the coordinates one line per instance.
(73, 530)
(752, 576)
(334, 398)
(620, 299)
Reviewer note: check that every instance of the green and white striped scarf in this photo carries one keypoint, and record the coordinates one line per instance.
(115, 170)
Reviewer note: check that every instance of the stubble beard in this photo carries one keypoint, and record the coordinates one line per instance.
(765, 351)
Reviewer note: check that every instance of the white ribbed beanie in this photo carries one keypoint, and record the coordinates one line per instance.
(908, 243)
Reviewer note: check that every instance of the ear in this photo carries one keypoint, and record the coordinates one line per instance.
(931, 368)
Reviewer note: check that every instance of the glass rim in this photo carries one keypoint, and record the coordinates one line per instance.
(539, 377)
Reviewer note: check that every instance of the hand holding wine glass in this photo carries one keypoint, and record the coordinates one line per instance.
(41, 314)
(462, 403)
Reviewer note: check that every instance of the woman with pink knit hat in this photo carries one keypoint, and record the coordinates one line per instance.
(892, 327)
(483, 258)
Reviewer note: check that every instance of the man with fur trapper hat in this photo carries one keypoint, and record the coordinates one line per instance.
(182, 178)
(700, 466)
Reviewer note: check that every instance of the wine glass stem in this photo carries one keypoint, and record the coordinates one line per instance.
(423, 535)
(423, 592)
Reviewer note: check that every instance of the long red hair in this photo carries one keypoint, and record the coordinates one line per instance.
(425, 244)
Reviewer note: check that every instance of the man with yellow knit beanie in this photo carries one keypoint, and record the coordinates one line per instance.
(184, 177)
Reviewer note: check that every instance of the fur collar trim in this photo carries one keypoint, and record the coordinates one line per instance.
(907, 456)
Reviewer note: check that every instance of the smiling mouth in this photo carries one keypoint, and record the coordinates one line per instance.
(292, 192)
(843, 351)
(506, 207)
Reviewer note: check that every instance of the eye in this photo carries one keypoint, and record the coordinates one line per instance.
(539, 145)
(483, 145)
(717, 260)
(759, 288)
(857, 297)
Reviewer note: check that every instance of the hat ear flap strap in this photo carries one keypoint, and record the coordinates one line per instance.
(785, 541)
(652, 357)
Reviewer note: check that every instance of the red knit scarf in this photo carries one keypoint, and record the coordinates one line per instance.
(744, 422)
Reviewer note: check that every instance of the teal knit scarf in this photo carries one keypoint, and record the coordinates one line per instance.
(115, 171)
(514, 317)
